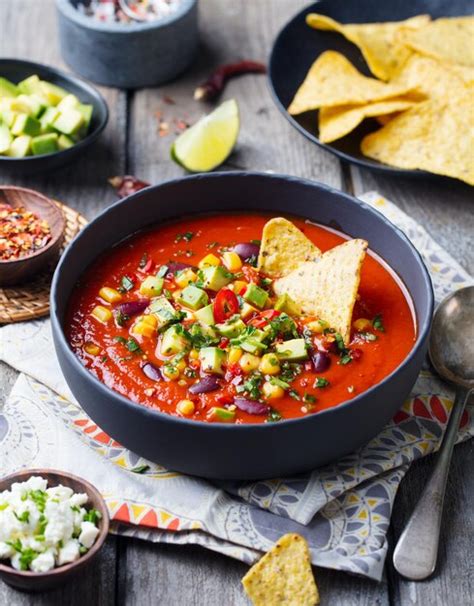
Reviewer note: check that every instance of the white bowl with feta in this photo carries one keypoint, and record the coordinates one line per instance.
(50, 522)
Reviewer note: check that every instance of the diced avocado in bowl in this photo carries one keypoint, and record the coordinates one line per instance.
(293, 350)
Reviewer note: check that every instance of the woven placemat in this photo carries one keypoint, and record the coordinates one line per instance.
(31, 300)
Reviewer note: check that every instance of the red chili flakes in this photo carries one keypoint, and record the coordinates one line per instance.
(21, 232)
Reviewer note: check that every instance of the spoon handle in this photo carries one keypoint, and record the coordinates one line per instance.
(417, 548)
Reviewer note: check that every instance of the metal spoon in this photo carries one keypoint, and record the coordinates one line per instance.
(451, 351)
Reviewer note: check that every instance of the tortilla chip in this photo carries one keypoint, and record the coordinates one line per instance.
(284, 247)
(283, 577)
(336, 122)
(327, 288)
(383, 120)
(436, 135)
(332, 80)
(450, 39)
(377, 41)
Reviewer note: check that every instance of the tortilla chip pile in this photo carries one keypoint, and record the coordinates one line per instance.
(283, 577)
(421, 93)
(322, 285)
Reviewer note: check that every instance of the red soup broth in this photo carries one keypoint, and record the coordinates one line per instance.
(380, 293)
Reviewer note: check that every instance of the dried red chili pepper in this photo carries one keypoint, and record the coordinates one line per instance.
(127, 184)
(22, 232)
(215, 84)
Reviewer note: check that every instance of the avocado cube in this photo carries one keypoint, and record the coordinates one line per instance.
(44, 144)
(173, 341)
(232, 328)
(163, 311)
(151, 286)
(212, 359)
(214, 277)
(193, 297)
(68, 102)
(48, 118)
(86, 111)
(69, 121)
(255, 296)
(253, 346)
(221, 414)
(5, 138)
(64, 142)
(52, 93)
(285, 303)
(26, 125)
(28, 104)
(20, 147)
(205, 315)
(8, 89)
(203, 332)
(293, 350)
(8, 117)
(29, 85)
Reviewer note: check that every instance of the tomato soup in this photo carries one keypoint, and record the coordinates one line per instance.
(178, 318)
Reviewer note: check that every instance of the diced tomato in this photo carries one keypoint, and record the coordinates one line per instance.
(225, 399)
(226, 305)
(234, 370)
(264, 318)
(356, 353)
(223, 343)
(149, 265)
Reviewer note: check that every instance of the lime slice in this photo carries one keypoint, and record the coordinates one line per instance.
(206, 144)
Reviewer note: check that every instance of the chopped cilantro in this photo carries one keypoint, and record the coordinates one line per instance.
(309, 398)
(187, 236)
(321, 382)
(121, 318)
(273, 416)
(346, 359)
(294, 394)
(252, 386)
(377, 323)
(339, 341)
(279, 383)
(130, 343)
(140, 468)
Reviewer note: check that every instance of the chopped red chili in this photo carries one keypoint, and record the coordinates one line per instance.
(21, 232)
(215, 84)
(226, 305)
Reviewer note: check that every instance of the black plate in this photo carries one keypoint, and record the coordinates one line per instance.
(298, 45)
(17, 70)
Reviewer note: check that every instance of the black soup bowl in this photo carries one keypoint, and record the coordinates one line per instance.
(218, 450)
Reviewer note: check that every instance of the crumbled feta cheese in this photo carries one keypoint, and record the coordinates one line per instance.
(69, 552)
(88, 534)
(78, 499)
(61, 493)
(6, 551)
(43, 562)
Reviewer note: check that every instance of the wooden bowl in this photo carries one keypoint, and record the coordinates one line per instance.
(24, 268)
(39, 581)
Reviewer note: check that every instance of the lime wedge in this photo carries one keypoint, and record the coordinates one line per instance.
(206, 144)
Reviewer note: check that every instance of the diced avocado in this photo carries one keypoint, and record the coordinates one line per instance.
(293, 350)
(252, 345)
(26, 125)
(221, 414)
(285, 303)
(151, 286)
(173, 340)
(5, 138)
(204, 332)
(44, 144)
(205, 315)
(193, 297)
(212, 359)
(64, 142)
(214, 277)
(69, 121)
(255, 296)
(54, 94)
(86, 111)
(28, 104)
(48, 118)
(8, 117)
(68, 102)
(20, 147)
(7, 88)
(29, 85)
(232, 328)
(164, 312)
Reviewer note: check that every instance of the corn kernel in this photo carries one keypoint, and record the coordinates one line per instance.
(362, 324)
(149, 319)
(102, 314)
(239, 285)
(110, 294)
(170, 372)
(185, 277)
(272, 392)
(317, 326)
(176, 295)
(270, 365)
(209, 259)
(180, 364)
(232, 261)
(91, 348)
(185, 407)
(249, 362)
(194, 354)
(235, 354)
(143, 329)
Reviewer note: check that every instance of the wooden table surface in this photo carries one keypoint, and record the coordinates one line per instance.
(133, 572)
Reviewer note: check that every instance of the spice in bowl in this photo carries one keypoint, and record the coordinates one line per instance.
(22, 233)
(41, 527)
(127, 11)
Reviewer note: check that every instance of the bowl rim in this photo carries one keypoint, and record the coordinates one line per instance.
(422, 332)
(53, 242)
(66, 8)
(23, 475)
(77, 81)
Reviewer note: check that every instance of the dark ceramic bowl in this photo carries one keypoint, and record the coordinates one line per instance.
(297, 46)
(17, 70)
(40, 581)
(131, 55)
(27, 267)
(216, 450)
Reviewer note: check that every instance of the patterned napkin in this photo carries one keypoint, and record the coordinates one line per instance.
(343, 509)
